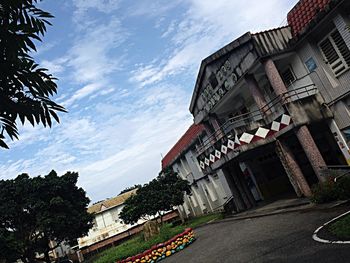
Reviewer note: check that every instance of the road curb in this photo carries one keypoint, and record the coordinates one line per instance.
(318, 239)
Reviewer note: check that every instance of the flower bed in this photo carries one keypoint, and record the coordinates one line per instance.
(163, 250)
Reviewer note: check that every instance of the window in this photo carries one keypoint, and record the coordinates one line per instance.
(288, 76)
(346, 133)
(335, 52)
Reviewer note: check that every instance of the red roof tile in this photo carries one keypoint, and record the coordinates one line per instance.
(182, 144)
(303, 13)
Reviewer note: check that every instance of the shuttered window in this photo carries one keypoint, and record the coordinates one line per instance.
(335, 52)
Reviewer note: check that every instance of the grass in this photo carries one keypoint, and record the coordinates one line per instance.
(137, 245)
(341, 228)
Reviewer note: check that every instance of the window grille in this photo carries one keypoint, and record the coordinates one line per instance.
(335, 52)
(288, 76)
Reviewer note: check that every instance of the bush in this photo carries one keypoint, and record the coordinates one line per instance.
(331, 191)
(343, 188)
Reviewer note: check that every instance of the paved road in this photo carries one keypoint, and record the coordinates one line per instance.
(279, 238)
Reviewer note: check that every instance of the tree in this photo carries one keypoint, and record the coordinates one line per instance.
(35, 211)
(136, 186)
(156, 197)
(25, 88)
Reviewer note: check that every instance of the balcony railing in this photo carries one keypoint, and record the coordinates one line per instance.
(273, 106)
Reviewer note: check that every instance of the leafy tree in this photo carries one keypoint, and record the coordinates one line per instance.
(35, 211)
(25, 88)
(156, 197)
(136, 186)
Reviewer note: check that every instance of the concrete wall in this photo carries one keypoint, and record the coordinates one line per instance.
(208, 193)
(106, 224)
(331, 87)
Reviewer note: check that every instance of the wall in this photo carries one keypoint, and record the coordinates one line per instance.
(208, 194)
(107, 224)
(331, 87)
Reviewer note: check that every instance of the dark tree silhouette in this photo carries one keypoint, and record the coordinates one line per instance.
(25, 88)
(35, 211)
(155, 198)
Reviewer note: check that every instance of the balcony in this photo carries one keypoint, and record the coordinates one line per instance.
(245, 123)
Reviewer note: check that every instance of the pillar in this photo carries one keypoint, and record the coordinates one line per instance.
(312, 152)
(303, 134)
(234, 191)
(296, 177)
(274, 77)
(253, 185)
(217, 128)
(255, 91)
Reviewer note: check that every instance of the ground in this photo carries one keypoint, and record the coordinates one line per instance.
(276, 238)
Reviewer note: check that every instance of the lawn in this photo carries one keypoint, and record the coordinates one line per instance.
(341, 228)
(137, 245)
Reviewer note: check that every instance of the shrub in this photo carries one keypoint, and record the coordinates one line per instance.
(343, 188)
(331, 191)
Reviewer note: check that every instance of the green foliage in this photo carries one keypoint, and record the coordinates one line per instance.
(137, 244)
(341, 228)
(25, 88)
(159, 195)
(331, 191)
(37, 210)
(136, 186)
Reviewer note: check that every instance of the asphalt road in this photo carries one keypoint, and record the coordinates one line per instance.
(279, 238)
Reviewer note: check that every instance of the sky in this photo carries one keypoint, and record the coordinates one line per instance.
(126, 71)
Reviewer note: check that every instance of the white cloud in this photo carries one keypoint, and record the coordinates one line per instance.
(152, 8)
(82, 93)
(115, 140)
(82, 6)
(90, 55)
(124, 142)
(207, 26)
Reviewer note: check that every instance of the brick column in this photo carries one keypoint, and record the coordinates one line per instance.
(274, 77)
(257, 94)
(303, 134)
(313, 154)
(292, 169)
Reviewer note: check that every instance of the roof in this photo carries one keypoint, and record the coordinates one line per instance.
(221, 52)
(110, 203)
(182, 144)
(266, 43)
(272, 41)
(304, 12)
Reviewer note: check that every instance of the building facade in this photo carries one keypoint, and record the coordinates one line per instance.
(275, 105)
(209, 192)
(106, 222)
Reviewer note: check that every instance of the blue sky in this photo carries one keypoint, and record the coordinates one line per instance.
(126, 73)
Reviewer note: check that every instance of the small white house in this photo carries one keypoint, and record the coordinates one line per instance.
(107, 222)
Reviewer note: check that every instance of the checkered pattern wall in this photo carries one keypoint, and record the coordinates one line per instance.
(246, 138)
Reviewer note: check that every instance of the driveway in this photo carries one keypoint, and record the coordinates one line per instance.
(277, 238)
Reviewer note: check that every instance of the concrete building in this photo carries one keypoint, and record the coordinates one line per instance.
(275, 105)
(106, 222)
(209, 192)
(321, 32)
(108, 229)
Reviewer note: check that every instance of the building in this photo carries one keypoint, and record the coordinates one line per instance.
(106, 222)
(209, 192)
(108, 229)
(275, 105)
(321, 33)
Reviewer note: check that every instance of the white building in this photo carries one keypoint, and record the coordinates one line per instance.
(107, 222)
(208, 192)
